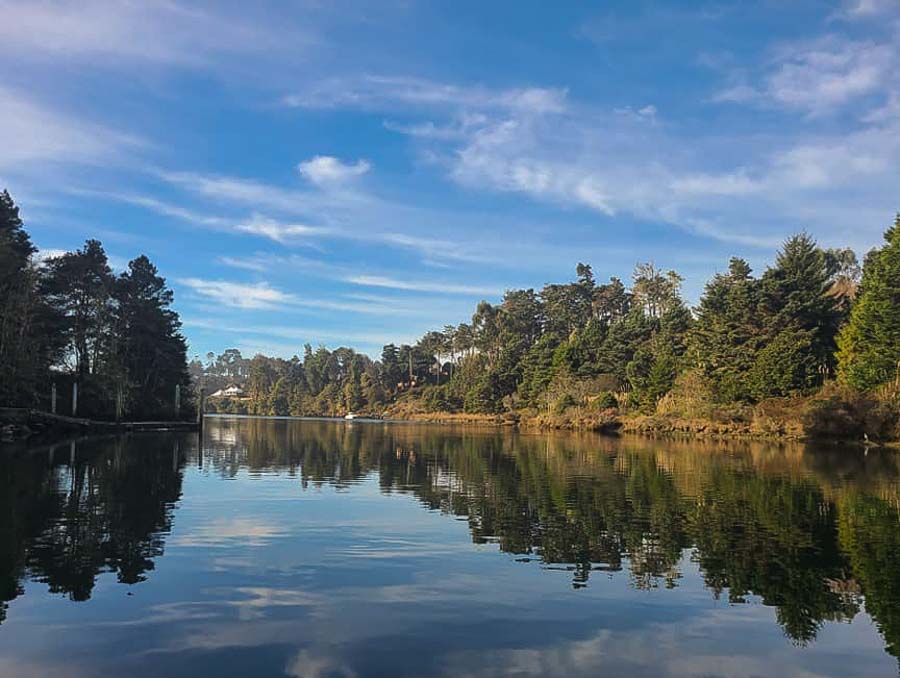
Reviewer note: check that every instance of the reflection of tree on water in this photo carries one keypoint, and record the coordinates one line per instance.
(63, 523)
(780, 525)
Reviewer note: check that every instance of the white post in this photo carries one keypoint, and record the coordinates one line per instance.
(74, 398)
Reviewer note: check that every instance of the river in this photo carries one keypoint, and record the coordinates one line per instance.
(319, 548)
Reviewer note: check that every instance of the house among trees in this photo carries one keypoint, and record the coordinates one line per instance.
(230, 391)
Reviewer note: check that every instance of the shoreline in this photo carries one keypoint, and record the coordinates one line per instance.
(643, 426)
(648, 426)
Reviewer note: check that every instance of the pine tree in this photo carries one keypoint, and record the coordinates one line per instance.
(795, 305)
(869, 344)
(152, 353)
(29, 340)
(15, 245)
(725, 337)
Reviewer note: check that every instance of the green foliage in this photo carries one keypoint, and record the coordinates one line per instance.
(727, 334)
(606, 401)
(869, 352)
(750, 338)
(785, 365)
(795, 306)
(72, 319)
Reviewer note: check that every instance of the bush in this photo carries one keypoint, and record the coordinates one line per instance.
(606, 401)
(841, 412)
(564, 403)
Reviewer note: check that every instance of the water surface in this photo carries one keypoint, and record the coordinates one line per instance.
(310, 548)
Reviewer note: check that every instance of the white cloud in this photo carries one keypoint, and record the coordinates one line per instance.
(417, 286)
(239, 295)
(732, 183)
(867, 9)
(30, 132)
(295, 332)
(159, 206)
(822, 75)
(277, 231)
(323, 170)
(376, 92)
(166, 33)
(49, 253)
(263, 296)
(831, 72)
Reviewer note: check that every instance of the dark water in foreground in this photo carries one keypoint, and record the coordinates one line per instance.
(334, 549)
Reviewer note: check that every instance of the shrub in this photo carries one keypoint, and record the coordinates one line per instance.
(606, 401)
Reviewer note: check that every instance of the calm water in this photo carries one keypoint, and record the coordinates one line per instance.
(334, 549)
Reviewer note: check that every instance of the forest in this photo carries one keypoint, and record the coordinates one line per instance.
(815, 324)
(69, 318)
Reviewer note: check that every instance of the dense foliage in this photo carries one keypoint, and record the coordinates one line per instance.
(70, 318)
(870, 343)
(588, 345)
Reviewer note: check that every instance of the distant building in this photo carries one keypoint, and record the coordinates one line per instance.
(232, 391)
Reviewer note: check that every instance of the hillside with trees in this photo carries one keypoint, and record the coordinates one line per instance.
(69, 318)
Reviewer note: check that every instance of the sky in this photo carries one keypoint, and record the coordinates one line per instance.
(354, 173)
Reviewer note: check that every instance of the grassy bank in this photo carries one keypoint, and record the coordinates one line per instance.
(834, 413)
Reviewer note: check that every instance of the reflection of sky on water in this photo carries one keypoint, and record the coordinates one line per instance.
(263, 577)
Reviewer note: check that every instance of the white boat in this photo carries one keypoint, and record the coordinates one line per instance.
(350, 416)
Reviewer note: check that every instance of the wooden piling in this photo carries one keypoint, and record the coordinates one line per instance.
(201, 404)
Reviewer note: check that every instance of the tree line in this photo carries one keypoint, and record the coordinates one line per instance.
(71, 318)
(814, 316)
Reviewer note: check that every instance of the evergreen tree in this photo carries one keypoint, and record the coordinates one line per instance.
(152, 353)
(29, 342)
(795, 305)
(869, 352)
(15, 245)
(80, 285)
(726, 335)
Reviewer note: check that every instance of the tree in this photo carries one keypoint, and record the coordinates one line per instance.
(29, 340)
(151, 351)
(16, 247)
(80, 286)
(869, 345)
(391, 370)
(726, 335)
(794, 303)
(654, 290)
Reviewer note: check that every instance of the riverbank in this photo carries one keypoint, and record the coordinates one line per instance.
(18, 424)
(831, 414)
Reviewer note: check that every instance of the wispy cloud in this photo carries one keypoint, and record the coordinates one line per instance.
(380, 92)
(166, 33)
(293, 332)
(263, 296)
(417, 285)
(239, 295)
(279, 232)
(31, 132)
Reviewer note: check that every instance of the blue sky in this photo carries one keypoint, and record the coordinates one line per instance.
(356, 173)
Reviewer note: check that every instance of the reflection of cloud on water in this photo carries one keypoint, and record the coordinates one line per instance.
(259, 600)
(223, 531)
(44, 668)
(687, 649)
(308, 665)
